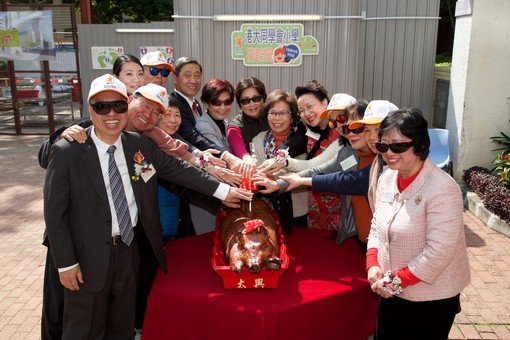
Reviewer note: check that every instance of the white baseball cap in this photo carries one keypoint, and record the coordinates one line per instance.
(108, 83)
(339, 101)
(155, 93)
(156, 58)
(376, 111)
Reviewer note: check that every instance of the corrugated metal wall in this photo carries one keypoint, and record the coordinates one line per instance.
(375, 59)
(105, 35)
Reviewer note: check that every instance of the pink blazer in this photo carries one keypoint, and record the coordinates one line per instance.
(422, 228)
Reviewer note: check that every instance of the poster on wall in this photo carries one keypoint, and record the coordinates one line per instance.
(103, 57)
(168, 52)
(26, 35)
(272, 44)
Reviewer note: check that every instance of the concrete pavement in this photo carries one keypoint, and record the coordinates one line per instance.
(485, 302)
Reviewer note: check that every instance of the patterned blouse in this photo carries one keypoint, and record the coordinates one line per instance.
(323, 207)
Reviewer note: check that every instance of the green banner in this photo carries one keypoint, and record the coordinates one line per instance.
(272, 44)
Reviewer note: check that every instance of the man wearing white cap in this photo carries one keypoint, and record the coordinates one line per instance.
(95, 195)
(156, 68)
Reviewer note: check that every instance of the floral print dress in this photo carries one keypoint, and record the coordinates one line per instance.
(323, 207)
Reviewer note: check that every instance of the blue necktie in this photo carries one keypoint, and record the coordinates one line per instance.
(119, 199)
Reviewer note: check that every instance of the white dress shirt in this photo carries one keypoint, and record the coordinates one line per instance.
(120, 160)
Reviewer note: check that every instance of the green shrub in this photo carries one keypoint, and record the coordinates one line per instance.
(494, 195)
(502, 160)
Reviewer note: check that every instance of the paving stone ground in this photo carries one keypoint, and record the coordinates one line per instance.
(485, 302)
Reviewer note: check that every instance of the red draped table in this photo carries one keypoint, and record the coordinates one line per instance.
(322, 295)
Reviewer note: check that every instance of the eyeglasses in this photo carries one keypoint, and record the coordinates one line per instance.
(104, 108)
(278, 113)
(155, 71)
(148, 108)
(246, 101)
(307, 108)
(357, 131)
(226, 102)
(394, 147)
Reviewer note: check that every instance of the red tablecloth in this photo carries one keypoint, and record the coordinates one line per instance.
(322, 295)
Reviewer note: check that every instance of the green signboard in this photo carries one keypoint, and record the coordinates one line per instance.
(272, 44)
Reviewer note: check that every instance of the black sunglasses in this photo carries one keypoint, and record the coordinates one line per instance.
(255, 99)
(357, 131)
(341, 118)
(104, 108)
(394, 147)
(154, 71)
(217, 102)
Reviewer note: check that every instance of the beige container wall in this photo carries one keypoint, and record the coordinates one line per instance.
(375, 59)
(106, 35)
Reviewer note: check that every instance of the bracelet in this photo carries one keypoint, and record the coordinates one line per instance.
(280, 156)
(392, 283)
(202, 161)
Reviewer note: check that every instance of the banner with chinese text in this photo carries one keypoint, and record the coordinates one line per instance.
(272, 44)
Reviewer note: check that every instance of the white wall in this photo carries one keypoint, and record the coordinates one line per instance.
(479, 104)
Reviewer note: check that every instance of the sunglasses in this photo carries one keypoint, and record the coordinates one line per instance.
(217, 102)
(394, 147)
(255, 99)
(155, 71)
(341, 118)
(357, 131)
(104, 108)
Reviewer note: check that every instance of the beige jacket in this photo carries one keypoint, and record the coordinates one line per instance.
(422, 228)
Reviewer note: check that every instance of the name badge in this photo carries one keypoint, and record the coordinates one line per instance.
(387, 196)
(349, 162)
(148, 173)
(313, 135)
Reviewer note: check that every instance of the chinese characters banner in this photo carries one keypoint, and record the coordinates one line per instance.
(26, 35)
(272, 44)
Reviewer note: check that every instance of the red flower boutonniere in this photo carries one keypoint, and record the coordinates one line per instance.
(141, 165)
(251, 225)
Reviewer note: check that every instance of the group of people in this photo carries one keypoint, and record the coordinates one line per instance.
(352, 167)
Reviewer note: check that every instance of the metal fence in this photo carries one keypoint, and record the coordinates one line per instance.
(39, 96)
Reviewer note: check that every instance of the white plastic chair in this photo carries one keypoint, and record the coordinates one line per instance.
(440, 149)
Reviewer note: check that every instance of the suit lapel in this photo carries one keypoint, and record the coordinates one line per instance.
(185, 104)
(129, 152)
(92, 165)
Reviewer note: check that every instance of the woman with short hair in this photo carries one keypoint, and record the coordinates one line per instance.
(416, 259)
(283, 134)
(250, 96)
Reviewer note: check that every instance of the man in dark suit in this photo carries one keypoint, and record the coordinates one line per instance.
(187, 81)
(94, 194)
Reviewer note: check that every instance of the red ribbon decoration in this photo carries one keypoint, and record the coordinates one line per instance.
(250, 225)
(247, 183)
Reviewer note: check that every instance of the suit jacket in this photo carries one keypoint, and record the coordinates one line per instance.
(188, 130)
(210, 130)
(422, 228)
(76, 208)
(205, 202)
